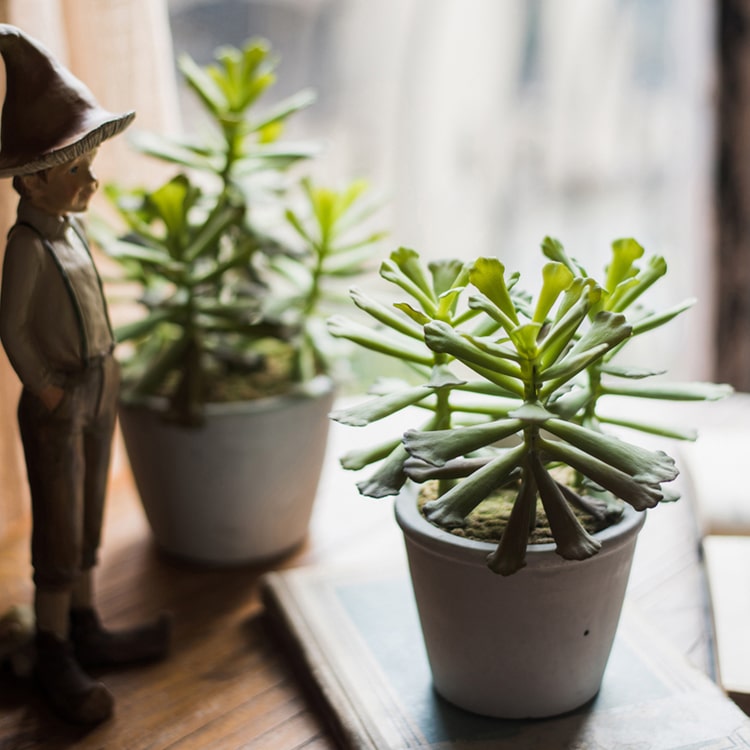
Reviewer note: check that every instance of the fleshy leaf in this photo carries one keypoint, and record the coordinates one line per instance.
(487, 275)
(697, 391)
(375, 340)
(438, 446)
(655, 269)
(620, 484)
(554, 250)
(385, 315)
(451, 508)
(447, 274)
(510, 555)
(389, 477)
(375, 409)
(624, 253)
(556, 279)
(358, 459)
(646, 466)
(420, 471)
(572, 540)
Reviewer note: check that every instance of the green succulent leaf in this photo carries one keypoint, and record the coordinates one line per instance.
(420, 471)
(451, 508)
(375, 340)
(658, 319)
(524, 338)
(203, 85)
(625, 296)
(572, 540)
(440, 337)
(554, 250)
(649, 467)
(144, 326)
(673, 433)
(488, 276)
(566, 369)
(624, 254)
(387, 317)
(359, 459)
(603, 512)
(510, 555)
(556, 278)
(631, 373)
(375, 409)
(438, 446)
(479, 302)
(606, 328)
(410, 265)
(563, 331)
(208, 236)
(620, 484)
(447, 275)
(284, 109)
(389, 477)
(697, 391)
(178, 151)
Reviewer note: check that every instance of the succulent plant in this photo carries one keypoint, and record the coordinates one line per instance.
(543, 362)
(232, 276)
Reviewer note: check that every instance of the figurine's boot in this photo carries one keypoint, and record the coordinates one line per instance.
(96, 646)
(74, 695)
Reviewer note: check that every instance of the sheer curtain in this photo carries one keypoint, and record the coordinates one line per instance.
(489, 124)
(122, 50)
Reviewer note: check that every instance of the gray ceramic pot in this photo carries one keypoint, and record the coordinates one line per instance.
(532, 644)
(239, 489)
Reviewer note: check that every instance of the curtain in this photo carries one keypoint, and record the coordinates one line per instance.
(489, 124)
(122, 50)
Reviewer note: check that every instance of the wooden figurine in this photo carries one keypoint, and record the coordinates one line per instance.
(56, 331)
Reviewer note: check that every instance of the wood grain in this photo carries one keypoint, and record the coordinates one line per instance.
(228, 683)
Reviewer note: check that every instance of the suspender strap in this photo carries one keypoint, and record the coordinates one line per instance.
(78, 229)
(69, 286)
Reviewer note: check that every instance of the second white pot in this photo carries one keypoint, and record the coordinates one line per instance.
(239, 489)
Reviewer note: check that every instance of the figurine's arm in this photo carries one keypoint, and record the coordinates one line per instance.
(20, 295)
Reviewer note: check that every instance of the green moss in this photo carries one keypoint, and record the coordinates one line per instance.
(487, 521)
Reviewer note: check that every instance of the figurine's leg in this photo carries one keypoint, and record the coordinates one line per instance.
(94, 645)
(54, 460)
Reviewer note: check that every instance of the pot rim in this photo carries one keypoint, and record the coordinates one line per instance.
(471, 551)
(318, 387)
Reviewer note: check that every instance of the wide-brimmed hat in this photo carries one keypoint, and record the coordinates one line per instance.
(49, 117)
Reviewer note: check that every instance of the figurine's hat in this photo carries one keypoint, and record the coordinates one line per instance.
(49, 117)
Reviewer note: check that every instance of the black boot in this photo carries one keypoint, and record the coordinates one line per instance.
(74, 695)
(96, 646)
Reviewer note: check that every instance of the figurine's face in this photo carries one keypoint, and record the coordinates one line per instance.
(66, 188)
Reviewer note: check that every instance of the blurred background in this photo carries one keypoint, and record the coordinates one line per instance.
(487, 125)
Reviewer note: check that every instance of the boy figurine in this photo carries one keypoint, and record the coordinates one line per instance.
(55, 328)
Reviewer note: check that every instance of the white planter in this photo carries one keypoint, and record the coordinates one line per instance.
(529, 645)
(239, 489)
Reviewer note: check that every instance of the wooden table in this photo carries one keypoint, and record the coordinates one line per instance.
(227, 684)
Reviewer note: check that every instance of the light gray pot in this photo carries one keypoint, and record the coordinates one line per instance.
(529, 645)
(239, 489)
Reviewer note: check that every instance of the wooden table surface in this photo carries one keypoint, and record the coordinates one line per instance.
(227, 684)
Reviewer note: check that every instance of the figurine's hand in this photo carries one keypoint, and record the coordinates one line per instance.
(51, 396)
